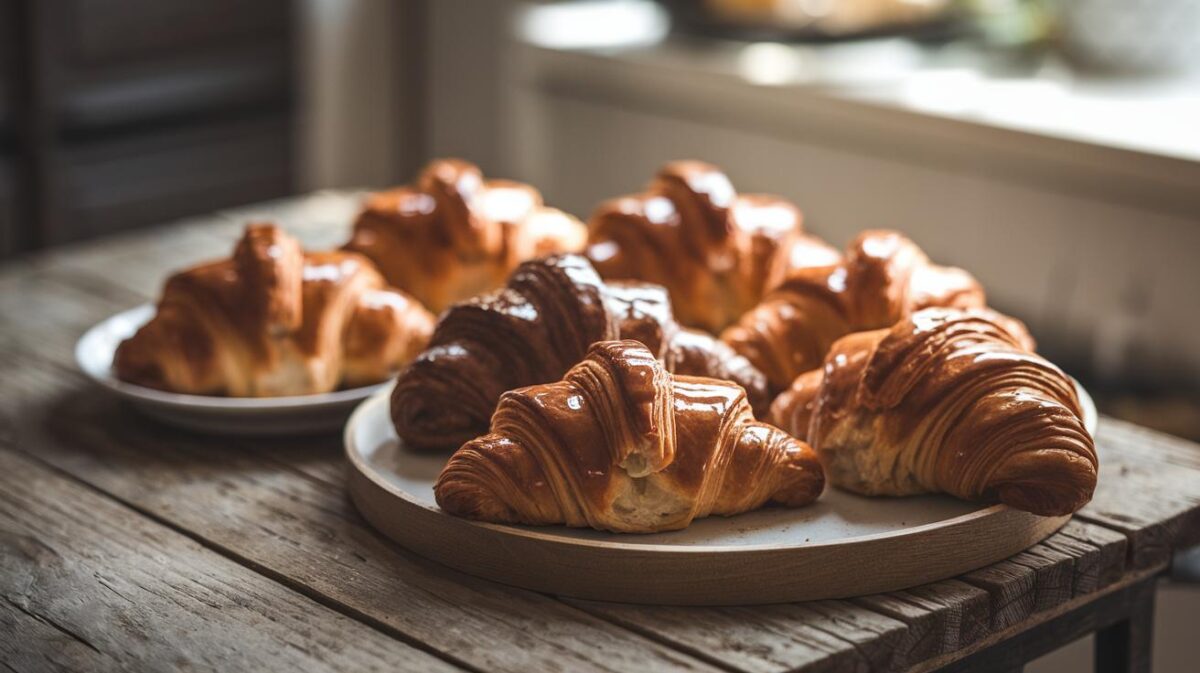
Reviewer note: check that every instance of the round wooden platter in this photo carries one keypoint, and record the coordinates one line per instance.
(844, 545)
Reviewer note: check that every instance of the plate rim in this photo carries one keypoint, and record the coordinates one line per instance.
(141, 314)
(358, 463)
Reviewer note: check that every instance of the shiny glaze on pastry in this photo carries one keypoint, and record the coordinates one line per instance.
(643, 313)
(453, 235)
(273, 320)
(532, 331)
(884, 278)
(622, 445)
(946, 401)
(715, 251)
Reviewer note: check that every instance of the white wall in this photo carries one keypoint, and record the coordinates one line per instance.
(354, 80)
(350, 82)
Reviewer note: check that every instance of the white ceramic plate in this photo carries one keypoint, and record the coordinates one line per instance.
(844, 545)
(210, 414)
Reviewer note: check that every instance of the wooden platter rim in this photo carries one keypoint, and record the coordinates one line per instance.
(355, 457)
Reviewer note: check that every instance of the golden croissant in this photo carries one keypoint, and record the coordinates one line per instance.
(621, 445)
(453, 234)
(274, 320)
(946, 401)
(532, 331)
(884, 277)
(714, 250)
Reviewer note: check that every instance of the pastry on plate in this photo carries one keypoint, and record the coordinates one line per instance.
(883, 278)
(622, 445)
(532, 331)
(452, 234)
(273, 320)
(946, 401)
(714, 250)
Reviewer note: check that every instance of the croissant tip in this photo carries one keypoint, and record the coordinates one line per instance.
(429, 418)
(462, 496)
(800, 479)
(1048, 482)
(805, 482)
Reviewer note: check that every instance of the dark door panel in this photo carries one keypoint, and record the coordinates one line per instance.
(105, 32)
(119, 184)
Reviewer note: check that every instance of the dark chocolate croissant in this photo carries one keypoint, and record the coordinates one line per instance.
(532, 331)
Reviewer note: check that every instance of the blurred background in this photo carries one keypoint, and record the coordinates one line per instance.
(1051, 148)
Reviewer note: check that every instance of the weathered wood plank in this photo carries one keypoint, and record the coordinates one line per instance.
(307, 534)
(92, 585)
(1034, 580)
(1011, 649)
(941, 617)
(821, 636)
(1054, 572)
(1148, 489)
(1012, 589)
(300, 530)
(31, 643)
(1098, 553)
(1157, 446)
(1077, 560)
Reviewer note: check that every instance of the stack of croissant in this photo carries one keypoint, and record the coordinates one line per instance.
(610, 375)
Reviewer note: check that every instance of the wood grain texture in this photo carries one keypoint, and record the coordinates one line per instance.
(1072, 619)
(1098, 554)
(941, 617)
(1114, 610)
(305, 533)
(816, 636)
(91, 585)
(1149, 489)
(1034, 580)
(32, 643)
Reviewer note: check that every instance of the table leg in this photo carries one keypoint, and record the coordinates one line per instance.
(1124, 647)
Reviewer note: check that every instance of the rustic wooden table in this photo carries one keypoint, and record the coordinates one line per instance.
(129, 545)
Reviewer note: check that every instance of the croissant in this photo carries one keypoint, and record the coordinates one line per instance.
(621, 445)
(715, 251)
(884, 277)
(454, 235)
(946, 401)
(532, 331)
(273, 320)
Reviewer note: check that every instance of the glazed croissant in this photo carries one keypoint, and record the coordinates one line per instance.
(621, 445)
(884, 277)
(715, 251)
(453, 234)
(532, 331)
(273, 320)
(946, 401)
